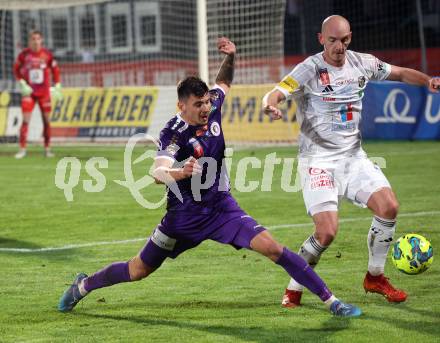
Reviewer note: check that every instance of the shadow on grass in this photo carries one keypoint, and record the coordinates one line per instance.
(8, 243)
(408, 311)
(407, 322)
(249, 333)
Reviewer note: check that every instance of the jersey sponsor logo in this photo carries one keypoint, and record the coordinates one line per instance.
(348, 126)
(320, 179)
(345, 120)
(324, 76)
(289, 84)
(347, 113)
(380, 67)
(344, 82)
(328, 89)
(215, 129)
(316, 171)
(36, 76)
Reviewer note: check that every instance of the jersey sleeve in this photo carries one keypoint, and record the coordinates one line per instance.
(217, 95)
(54, 68)
(296, 79)
(375, 68)
(17, 66)
(169, 144)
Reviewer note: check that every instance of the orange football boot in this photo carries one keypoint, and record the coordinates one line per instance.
(291, 298)
(380, 284)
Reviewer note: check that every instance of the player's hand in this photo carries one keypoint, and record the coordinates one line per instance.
(25, 89)
(434, 84)
(56, 92)
(191, 167)
(225, 46)
(273, 112)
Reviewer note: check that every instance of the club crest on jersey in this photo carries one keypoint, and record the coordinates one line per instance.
(324, 76)
(215, 129)
(361, 81)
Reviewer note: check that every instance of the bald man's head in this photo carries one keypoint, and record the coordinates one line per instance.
(335, 36)
(335, 22)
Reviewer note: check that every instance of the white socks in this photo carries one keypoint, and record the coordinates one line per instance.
(81, 288)
(310, 251)
(330, 301)
(379, 240)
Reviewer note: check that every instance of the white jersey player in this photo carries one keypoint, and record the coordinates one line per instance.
(328, 88)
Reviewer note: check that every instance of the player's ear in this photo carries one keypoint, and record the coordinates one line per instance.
(320, 38)
(349, 38)
(181, 105)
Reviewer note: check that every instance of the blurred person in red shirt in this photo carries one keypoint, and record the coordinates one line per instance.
(32, 70)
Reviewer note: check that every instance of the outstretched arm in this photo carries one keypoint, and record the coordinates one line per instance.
(414, 77)
(165, 173)
(270, 103)
(225, 74)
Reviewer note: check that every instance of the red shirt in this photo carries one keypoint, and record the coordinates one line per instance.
(35, 68)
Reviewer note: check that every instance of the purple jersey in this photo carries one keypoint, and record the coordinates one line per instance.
(179, 141)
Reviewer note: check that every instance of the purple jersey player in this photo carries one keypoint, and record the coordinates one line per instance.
(192, 217)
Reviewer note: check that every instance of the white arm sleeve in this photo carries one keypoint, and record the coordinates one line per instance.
(296, 79)
(375, 68)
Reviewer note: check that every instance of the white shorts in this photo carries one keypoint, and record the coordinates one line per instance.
(325, 183)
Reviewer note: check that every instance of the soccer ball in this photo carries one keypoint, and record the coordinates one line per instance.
(412, 254)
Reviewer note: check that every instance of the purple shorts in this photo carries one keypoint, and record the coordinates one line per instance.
(178, 231)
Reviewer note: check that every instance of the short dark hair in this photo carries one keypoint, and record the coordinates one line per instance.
(191, 85)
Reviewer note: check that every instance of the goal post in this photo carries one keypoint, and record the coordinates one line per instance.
(107, 49)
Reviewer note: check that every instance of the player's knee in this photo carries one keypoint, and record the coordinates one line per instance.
(267, 246)
(325, 238)
(325, 234)
(138, 269)
(274, 251)
(389, 210)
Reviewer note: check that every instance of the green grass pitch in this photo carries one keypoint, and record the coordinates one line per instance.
(212, 293)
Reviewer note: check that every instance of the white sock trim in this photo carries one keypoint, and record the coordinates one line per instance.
(81, 288)
(330, 301)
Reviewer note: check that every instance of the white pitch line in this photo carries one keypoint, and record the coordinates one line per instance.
(349, 220)
(73, 246)
(274, 227)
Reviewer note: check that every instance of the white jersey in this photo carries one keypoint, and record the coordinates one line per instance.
(329, 101)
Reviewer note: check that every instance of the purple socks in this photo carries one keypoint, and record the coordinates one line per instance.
(297, 268)
(112, 274)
